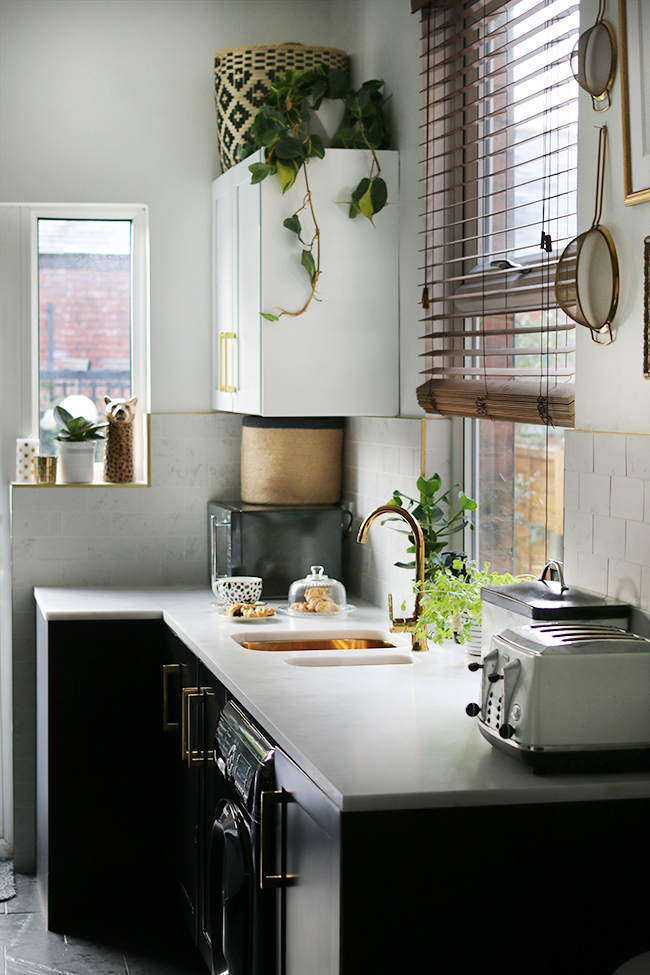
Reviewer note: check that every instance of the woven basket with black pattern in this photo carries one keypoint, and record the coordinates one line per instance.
(243, 76)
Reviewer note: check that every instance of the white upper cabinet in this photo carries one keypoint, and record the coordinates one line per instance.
(340, 358)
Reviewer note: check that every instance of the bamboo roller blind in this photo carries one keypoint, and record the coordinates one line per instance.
(500, 127)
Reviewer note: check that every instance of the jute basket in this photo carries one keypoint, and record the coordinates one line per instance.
(243, 76)
(291, 460)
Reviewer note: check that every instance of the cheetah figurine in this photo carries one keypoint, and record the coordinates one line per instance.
(118, 464)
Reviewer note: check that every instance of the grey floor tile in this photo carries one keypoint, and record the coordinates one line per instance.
(138, 965)
(27, 899)
(30, 948)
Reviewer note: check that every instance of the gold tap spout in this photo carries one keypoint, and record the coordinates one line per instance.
(411, 625)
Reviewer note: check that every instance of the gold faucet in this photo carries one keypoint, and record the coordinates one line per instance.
(411, 625)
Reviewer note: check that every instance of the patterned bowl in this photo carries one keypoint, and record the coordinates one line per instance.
(237, 589)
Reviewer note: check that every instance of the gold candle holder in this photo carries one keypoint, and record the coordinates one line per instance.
(45, 470)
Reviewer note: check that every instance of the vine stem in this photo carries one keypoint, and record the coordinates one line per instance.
(316, 239)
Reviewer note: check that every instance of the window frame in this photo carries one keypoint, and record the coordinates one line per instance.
(138, 215)
(442, 391)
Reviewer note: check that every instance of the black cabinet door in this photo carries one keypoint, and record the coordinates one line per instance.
(100, 773)
(180, 721)
(192, 700)
(213, 698)
(306, 867)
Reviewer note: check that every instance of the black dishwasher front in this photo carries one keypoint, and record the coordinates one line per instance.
(242, 914)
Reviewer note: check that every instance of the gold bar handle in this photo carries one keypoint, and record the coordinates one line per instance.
(192, 756)
(270, 800)
(223, 362)
(167, 670)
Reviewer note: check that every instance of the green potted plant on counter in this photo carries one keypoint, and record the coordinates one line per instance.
(451, 605)
(76, 447)
(438, 520)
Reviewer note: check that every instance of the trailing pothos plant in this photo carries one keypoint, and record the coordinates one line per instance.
(438, 521)
(282, 129)
(452, 603)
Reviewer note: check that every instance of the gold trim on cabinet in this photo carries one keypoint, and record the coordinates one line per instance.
(167, 724)
(193, 757)
(269, 800)
(223, 362)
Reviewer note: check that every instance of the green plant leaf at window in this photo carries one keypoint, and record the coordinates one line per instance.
(440, 516)
(282, 129)
(452, 601)
(76, 429)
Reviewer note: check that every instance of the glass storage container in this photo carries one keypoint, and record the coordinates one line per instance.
(317, 593)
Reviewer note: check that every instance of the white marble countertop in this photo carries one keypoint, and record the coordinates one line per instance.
(386, 736)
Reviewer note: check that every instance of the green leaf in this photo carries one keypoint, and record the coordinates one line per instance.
(260, 171)
(268, 125)
(287, 176)
(427, 487)
(337, 84)
(316, 147)
(361, 189)
(293, 224)
(62, 418)
(466, 503)
(307, 262)
(365, 204)
(288, 147)
(318, 92)
(269, 317)
(343, 138)
(378, 194)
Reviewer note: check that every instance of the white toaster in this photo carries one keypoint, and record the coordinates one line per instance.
(573, 696)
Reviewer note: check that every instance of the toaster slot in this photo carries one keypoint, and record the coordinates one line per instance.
(492, 710)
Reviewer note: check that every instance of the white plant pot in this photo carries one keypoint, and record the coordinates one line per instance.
(76, 464)
(472, 644)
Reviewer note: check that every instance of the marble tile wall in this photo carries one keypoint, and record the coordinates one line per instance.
(607, 514)
(112, 536)
(382, 455)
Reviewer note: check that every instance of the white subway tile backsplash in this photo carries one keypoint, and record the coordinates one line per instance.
(579, 451)
(370, 481)
(624, 582)
(571, 490)
(637, 548)
(609, 454)
(592, 572)
(87, 523)
(627, 498)
(578, 531)
(594, 493)
(611, 520)
(609, 537)
(638, 456)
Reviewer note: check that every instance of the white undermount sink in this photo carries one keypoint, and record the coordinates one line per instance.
(335, 649)
(351, 660)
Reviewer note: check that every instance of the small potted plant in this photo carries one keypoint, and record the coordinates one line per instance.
(438, 521)
(76, 447)
(451, 605)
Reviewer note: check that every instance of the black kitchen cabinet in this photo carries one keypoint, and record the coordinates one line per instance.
(191, 702)
(126, 801)
(100, 774)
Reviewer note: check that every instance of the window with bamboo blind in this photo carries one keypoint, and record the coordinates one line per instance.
(500, 126)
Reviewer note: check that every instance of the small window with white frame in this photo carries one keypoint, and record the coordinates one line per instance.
(90, 316)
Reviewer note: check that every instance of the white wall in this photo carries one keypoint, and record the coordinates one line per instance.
(612, 395)
(383, 39)
(104, 101)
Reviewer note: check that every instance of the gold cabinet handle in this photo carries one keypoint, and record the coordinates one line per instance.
(269, 800)
(192, 756)
(167, 670)
(223, 362)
